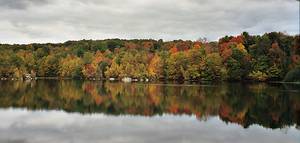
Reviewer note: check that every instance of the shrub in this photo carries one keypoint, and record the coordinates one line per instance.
(293, 75)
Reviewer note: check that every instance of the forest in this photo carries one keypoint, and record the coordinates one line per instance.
(272, 56)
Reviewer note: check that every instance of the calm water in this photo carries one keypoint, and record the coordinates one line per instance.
(92, 112)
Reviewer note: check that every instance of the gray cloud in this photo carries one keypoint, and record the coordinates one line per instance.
(25, 21)
(20, 4)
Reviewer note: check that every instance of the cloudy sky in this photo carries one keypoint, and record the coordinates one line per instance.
(26, 21)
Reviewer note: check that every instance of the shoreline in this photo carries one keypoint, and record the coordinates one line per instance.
(146, 81)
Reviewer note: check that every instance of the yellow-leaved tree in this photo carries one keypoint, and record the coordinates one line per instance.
(155, 67)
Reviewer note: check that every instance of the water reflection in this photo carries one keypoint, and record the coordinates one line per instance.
(271, 106)
(23, 126)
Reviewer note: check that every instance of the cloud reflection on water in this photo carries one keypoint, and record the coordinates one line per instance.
(23, 126)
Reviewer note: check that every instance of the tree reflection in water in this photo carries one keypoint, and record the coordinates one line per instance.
(269, 105)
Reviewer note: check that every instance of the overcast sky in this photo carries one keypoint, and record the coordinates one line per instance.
(27, 21)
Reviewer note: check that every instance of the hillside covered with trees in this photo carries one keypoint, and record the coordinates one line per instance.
(273, 56)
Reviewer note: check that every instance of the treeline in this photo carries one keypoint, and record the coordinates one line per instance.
(272, 56)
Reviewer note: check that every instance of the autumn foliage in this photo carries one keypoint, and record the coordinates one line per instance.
(243, 57)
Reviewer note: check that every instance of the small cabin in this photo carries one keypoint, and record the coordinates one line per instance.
(28, 76)
(126, 79)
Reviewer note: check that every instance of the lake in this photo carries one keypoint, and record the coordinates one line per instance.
(70, 111)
